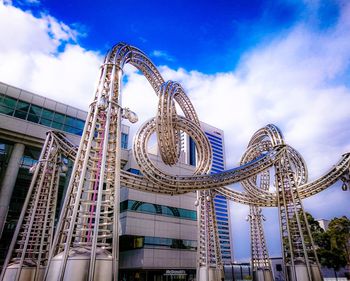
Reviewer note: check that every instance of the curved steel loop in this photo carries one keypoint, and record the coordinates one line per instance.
(270, 131)
(190, 183)
(262, 141)
(156, 175)
(111, 70)
(326, 180)
(168, 137)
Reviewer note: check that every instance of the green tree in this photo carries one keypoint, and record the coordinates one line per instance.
(317, 231)
(332, 244)
(339, 231)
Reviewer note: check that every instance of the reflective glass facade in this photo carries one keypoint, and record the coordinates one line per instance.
(131, 242)
(43, 116)
(155, 209)
(192, 152)
(221, 206)
(37, 114)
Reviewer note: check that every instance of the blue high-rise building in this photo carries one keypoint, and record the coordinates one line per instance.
(216, 138)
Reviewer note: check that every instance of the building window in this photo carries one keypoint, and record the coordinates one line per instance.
(131, 242)
(27, 162)
(192, 151)
(221, 214)
(7, 106)
(124, 141)
(156, 209)
(36, 114)
(134, 171)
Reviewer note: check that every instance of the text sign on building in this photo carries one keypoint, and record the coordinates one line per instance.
(175, 272)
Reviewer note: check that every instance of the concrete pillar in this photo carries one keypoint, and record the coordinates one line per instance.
(9, 181)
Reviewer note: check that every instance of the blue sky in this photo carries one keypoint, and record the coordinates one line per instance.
(190, 34)
(243, 66)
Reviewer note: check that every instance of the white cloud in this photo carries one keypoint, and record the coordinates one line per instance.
(296, 81)
(162, 54)
(31, 59)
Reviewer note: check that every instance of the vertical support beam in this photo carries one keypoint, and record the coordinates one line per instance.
(299, 253)
(86, 242)
(9, 181)
(116, 225)
(209, 267)
(261, 266)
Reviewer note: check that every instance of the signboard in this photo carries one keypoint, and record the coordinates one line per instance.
(172, 272)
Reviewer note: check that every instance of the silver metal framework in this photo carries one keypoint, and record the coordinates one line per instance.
(29, 249)
(90, 215)
(290, 172)
(85, 246)
(261, 265)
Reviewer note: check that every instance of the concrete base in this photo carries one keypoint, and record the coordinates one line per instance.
(26, 274)
(262, 275)
(301, 273)
(210, 274)
(78, 263)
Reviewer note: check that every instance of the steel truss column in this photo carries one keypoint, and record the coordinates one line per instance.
(84, 247)
(29, 249)
(209, 264)
(299, 252)
(261, 265)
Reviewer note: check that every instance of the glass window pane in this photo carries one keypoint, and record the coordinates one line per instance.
(149, 208)
(6, 110)
(134, 171)
(45, 122)
(47, 114)
(59, 118)
(123, 206)
(72, 130)
(70, 121)
(124, 141)
(33, 118)
(10, 102)
(69, 129)
(56, 125)
(20, 114)
(35, 110)
(21, 105)
(79, 124)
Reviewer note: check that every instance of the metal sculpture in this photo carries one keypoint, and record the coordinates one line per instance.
(290, 171)
(29, 249)
(261, 266)
(85, 246)
(209, 261)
